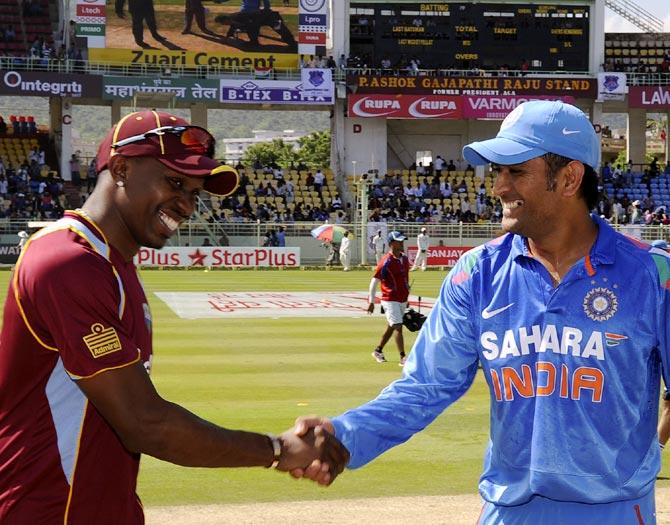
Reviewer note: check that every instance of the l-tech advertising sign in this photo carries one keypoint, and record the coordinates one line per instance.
(91, 22)
(479, 85)
(240, 91)
(219, 257)
(654, 97)
(184, 89)
(439, 255)
(181, 33)
(43, 84)
(439, 107)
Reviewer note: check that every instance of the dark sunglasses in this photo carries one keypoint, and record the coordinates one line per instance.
(196, 139)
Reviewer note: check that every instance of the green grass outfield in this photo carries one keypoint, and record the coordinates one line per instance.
(261, 374)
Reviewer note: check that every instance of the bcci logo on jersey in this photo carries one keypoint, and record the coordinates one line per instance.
(600, 304)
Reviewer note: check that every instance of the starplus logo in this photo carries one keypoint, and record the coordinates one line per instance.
(197, 258)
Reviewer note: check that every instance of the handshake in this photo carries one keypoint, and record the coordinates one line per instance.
(310, 450)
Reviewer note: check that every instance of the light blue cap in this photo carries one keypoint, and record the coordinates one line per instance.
(660, 243)
(395, 236)
(537, 127)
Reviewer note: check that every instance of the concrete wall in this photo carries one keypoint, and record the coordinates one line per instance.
(377, 143)
(364, 142)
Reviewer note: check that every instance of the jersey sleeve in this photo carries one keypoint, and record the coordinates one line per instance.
(663, 313)
(74, 306)
(439, 370)
(379, 268)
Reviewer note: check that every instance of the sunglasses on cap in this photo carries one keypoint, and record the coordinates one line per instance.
(196, 139)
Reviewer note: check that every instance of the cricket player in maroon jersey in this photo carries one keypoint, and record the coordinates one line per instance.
(77, 406)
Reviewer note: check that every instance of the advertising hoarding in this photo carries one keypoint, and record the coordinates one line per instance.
(184, 89)
(220, 34)
(653, 97)
(440, 107)
(184, 256)
(240, 91)
(578, 87)
(45, 84)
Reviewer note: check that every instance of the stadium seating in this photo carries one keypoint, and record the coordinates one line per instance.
(637, 52)
(37, 25)
(270, 204)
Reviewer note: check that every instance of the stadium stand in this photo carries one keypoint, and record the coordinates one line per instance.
(637, 52)
(274, 194)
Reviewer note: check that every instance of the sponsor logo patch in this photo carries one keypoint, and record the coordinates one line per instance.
(600, 304)
(102, 341)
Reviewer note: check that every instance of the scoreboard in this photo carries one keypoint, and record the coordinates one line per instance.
(548, 37)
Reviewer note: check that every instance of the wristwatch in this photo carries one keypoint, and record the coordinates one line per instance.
(276, 450)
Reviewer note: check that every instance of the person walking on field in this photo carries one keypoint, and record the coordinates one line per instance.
(345, 252)
(569, 322)
(422, 244)
(378, 244)
(393, 274)
(77, 405)
(23, 238)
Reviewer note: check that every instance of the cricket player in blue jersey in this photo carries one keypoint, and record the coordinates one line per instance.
(569, 322)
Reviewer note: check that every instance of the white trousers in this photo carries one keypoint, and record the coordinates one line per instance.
(421, 260)
(345, 259)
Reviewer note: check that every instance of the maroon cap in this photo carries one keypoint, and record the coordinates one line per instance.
(169, 147)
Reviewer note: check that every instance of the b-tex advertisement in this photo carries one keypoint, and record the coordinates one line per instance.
(316, 88)
(219, 257)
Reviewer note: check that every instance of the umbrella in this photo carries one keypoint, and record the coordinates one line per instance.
(330, 233)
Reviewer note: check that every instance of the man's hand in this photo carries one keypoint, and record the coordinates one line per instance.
(323, 470)
(313, 449)
(371, 308)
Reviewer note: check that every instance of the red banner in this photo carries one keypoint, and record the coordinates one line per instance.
(440, 255)
(440, 107)
(97, 11)
(312, 38)
(657, 97)
(499, 106)
(405, 106)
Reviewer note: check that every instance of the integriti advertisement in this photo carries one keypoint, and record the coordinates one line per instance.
(43, 84)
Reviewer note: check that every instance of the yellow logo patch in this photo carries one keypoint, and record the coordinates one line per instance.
(102, 341)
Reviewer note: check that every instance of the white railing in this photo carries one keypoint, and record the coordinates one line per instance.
(194, 231)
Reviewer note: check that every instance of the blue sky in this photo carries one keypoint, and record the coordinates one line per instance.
(659, 8)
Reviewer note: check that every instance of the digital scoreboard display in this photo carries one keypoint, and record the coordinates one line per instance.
(470, 35)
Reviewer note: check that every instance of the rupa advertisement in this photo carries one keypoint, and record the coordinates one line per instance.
(440, 106)
(218, 257)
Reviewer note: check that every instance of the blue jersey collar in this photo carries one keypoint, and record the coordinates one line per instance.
(602, 252)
